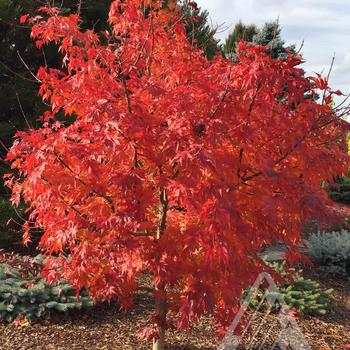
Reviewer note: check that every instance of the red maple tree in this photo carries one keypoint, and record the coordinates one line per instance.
(169, 164)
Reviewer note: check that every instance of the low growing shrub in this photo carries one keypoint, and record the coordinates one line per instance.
(339, 191)
(303, 295)
(24, 293)
(345, 197)
(335, 196)
(330, 251)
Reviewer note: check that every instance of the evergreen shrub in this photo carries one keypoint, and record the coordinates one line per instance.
(304, 295)
(330, 251)
(25, 294)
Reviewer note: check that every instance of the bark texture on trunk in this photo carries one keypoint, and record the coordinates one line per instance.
(161, 312)
(160, 292)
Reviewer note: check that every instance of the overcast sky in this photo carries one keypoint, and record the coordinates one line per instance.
(324, 25)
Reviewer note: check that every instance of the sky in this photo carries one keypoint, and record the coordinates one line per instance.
(323, 25)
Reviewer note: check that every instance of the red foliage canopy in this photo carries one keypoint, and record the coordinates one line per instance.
(168, 163)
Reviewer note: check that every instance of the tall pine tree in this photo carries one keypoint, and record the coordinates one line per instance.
(198, 29)
(240, 32)
(270, 35)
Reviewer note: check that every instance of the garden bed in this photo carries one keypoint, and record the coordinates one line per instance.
(104, 327)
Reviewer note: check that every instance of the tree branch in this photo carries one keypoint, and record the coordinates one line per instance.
(216, 110)
(293, 148)
(145, 233)
(125, 87)
(98, 194)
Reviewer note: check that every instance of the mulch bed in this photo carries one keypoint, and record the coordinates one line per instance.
(339, 218)
(106, 328)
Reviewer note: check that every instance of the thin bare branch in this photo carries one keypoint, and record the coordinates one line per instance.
(327, 78)
(300, 48)
(22, 111)
(3, 145)
(28, 69)
(15, 73)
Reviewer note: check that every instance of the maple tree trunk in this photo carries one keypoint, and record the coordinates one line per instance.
(161, 311)
(160, 292)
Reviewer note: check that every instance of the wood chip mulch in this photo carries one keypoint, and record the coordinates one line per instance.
(106, 328)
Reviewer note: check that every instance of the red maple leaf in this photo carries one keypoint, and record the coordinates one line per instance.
(23, 19)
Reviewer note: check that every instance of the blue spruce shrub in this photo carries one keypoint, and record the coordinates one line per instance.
(24, 293)
(330, 251)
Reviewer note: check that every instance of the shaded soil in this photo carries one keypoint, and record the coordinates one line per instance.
(106, 328)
